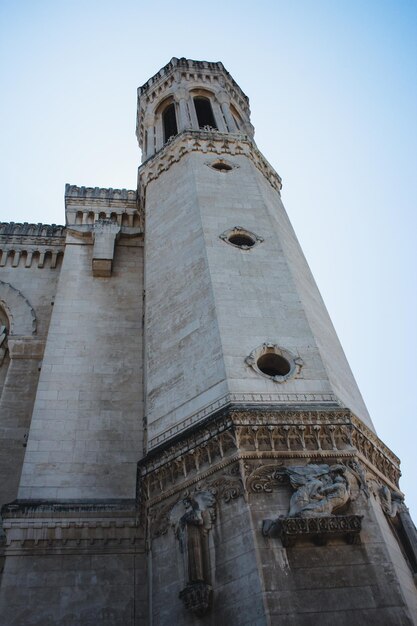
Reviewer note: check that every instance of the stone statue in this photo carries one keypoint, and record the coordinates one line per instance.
(391, 501)
(320, 490)
(191, 519)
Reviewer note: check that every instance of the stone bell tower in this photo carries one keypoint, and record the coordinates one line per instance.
(183, 441)
(269, 498)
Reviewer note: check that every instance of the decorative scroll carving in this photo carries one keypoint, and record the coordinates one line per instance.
(319, 529)
(191, 519)
(265, 477)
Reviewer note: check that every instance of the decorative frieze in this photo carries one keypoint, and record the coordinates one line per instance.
(317, 529)
(206, 142)
(254, 435)
(296, 400)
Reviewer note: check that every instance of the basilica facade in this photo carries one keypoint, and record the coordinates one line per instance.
(182, 439)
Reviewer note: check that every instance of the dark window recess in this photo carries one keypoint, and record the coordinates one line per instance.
(241, 239)
(273, 364)
(204, 112)
(222, 167)
(170, 123)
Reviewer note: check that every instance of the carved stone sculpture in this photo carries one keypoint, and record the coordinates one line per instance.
(191, 519)
(320, 490)
(394, 507)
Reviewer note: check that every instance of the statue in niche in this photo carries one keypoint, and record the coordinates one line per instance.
(320, 490)
(191, 519)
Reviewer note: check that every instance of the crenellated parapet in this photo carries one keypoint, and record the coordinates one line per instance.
(31, 245)
(86, 205)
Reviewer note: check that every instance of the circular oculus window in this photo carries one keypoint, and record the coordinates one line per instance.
(240, 238)
(273, 362)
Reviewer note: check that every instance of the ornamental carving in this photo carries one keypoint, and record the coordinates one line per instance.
(318, 529)
(227, 487)
(319, 489)
(211, 142)
(332, 435)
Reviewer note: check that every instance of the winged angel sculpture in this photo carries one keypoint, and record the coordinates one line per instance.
(320, 489)
(191, 519)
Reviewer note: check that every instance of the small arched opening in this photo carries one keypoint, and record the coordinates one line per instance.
(169, 120)
(204, 112)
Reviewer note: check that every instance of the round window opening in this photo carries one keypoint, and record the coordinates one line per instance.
(273, 364)
(242, 239)
(222, 167)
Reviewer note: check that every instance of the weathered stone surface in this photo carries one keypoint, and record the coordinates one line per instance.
(181, 438)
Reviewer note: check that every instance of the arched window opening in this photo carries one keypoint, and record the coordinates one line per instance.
(236, 117)
(204, 112)
(170, 122)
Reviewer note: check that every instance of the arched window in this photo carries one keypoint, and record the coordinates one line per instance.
(204, 112)
(170, 122)
(236, 117)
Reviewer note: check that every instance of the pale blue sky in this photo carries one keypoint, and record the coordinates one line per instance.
(333, 91)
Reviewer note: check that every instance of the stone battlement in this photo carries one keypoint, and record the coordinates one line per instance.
(13, 229)
(99, 193)
(191, 66)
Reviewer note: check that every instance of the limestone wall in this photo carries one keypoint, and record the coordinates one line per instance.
(30, 262)
(86, 432)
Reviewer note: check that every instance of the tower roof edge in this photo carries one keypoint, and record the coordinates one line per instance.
(189, 65)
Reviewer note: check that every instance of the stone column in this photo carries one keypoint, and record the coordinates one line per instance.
(184, 121)
(218, 116)
(225, 106)
(16, 406)
(149, 133)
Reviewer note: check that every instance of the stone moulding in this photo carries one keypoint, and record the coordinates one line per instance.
(251, 434)
(44, 525)
(20, 312)
(207, 142)
(318, 529)
(296, 400)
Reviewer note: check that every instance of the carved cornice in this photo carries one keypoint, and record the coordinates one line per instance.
(30, 526)
(207, 142)
(253, 434)
(284, 400)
